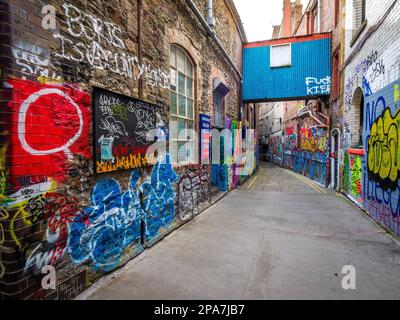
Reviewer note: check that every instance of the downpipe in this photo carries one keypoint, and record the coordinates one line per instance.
(211, 33)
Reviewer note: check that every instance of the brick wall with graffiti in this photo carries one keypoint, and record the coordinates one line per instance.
(371, 115)
(310, 158)
(372, 175)
(77, 99)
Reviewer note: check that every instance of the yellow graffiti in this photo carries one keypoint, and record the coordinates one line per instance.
(3, 217)
(122, 163)
(313, 144)
(2, 271)
(23, 213)
(3, 176)
(50, 81)
(384, 149)
(396, 93)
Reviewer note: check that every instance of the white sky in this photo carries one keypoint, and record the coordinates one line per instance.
(258, 17)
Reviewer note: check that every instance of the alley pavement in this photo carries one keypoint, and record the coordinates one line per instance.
(279, 237)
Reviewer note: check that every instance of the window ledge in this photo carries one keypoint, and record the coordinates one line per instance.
(358, 33)
(356, 151)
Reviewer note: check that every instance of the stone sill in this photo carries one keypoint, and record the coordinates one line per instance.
(356, 152)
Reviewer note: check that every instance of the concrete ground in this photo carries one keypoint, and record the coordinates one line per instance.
(278, 237)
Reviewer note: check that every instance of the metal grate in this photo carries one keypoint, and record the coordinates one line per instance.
(70, 289)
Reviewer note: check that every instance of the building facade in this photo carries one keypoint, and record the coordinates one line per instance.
(370, 165)
(87, 90)
(304, 145)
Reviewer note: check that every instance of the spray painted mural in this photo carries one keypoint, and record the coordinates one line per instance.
(381, 174)
(113, 223)
(193, 190)
(353, 165)
(50, 126)
(51, 123)
(310, 159)
(123, 131)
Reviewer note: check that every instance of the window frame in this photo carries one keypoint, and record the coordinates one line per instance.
(336, 75)
(290, 55)
(222, 110)
(177, 95)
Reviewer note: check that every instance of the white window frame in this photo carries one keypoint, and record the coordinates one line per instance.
(290, 56)
(189, 143)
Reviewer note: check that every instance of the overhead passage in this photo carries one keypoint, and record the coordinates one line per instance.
(293, 68)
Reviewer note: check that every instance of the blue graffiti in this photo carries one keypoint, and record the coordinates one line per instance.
(366, 87)
(114, 220)
(381, 202)
(220, 177)
(159, 198)
(311, 165)
(114, 223)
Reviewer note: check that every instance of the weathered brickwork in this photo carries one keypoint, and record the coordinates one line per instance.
(371, 104)
(57, 207)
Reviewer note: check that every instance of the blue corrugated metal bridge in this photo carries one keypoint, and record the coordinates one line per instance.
(295, 68)
(285, 69)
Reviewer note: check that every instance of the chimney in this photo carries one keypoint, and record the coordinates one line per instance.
(287, 19)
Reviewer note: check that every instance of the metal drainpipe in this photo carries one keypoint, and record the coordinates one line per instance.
(139, 40)
(210, 17)
(319, 15)
(212, 35)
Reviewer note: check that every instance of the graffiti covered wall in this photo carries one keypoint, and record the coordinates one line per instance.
(76, 102)
(381, 165)
(307, 154)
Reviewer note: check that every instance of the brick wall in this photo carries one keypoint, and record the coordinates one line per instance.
(59, 206)
(372, 71)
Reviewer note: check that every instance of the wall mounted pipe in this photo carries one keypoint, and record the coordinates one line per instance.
(211, 33)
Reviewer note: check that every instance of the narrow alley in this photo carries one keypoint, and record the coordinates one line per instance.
(291, 243)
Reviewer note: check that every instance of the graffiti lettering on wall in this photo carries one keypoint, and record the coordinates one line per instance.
(276, 148)
(39, 211)
(290, 147)
(313, 140)
(80, 174)
(355, 177)
(99, 43)
(384, 150)
(377, 71)
(52, 123)
(382, 162)
(124, 127)
(193, 190)
(310, 159)
(33, 59)
(159, 198)
(317, 86)
(113, 222)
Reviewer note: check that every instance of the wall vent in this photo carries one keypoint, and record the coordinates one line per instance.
(70, 289)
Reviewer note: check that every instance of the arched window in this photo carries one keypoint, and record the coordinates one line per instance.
(182, 106)
(358, 105)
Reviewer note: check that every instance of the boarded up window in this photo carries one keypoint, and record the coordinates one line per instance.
(281, 56)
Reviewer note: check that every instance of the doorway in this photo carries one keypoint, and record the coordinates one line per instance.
(335, 147)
